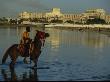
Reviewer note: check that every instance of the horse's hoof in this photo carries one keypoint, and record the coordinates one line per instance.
(35, 66)
(11, 66)
(25, 61)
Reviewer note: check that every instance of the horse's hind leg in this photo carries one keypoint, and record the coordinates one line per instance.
(13, 61)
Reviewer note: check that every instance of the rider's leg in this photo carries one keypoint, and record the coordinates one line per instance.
(26, 52)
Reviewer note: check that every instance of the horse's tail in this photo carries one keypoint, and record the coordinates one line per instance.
(5, 56)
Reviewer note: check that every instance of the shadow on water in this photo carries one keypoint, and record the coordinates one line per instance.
(32, 76)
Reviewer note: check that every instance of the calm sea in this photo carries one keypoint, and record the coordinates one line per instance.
(68, 55)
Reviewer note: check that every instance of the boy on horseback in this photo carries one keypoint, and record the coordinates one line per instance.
(25, 41)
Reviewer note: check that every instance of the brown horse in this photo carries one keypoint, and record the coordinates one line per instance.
(13, 52)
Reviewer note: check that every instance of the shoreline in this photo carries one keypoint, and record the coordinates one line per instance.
(80, 25)
(61, 25)
(93, 27)
(20, 25)
(96, 27)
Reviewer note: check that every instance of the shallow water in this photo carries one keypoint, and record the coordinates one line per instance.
(67, 56)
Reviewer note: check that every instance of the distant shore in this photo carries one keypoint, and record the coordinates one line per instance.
(97, 27)
(20, 25)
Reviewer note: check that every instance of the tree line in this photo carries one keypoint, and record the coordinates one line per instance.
(4, 20)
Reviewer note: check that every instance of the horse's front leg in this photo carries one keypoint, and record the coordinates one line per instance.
(25, 61)
(35, 62)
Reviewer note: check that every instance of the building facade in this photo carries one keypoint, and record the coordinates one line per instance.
(56, 14)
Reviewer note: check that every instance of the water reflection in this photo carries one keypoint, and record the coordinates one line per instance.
(59, 37)
(26, 76)
(86, 38)
(79, 55)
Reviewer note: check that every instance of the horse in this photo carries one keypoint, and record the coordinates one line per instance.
(14, 52)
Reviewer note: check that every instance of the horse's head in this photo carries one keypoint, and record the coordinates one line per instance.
(37, 43)
(40, 39)
(37, 36)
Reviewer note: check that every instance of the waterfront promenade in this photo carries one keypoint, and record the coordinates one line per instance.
(96, 27)
(78, 25)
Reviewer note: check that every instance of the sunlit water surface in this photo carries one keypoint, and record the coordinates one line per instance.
(68, 55)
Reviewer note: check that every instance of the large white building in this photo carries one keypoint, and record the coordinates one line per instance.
(56, 14)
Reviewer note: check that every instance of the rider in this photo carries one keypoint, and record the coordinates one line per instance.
(26, 41)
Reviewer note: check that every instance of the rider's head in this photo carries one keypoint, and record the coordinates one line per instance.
(37, 31)
(28, 29)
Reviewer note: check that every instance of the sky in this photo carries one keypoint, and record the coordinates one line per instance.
(10, 8)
